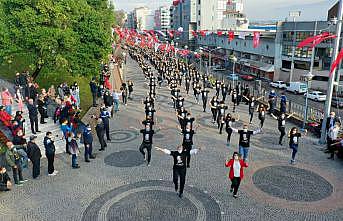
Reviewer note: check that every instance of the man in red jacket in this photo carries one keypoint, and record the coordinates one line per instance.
(5, 117)
(236, 173)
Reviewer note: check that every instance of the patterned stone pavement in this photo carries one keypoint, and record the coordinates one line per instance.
(117, 185)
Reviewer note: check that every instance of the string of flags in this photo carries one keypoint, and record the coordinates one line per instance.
(148, 38)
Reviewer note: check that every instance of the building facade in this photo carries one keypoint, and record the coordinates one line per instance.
(210, 14)
(162, 18)
(234, 18)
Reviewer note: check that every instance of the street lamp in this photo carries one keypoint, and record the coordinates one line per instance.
(234, 59)
(308, 78)
(209, 58)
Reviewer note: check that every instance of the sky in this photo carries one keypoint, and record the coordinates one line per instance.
(256, 10)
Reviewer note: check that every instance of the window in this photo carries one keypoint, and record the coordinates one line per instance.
(245, 44)
(198, 23)
(199, 2)
(199, 12)
(267, 47)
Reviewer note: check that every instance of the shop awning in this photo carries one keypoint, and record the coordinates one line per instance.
(257, 64)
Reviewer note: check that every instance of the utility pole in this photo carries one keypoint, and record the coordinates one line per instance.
(293, 14)
(332, 77)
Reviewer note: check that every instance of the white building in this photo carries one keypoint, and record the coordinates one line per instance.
(210, 14)
(144, 18)
(162, 18)
(234, 19)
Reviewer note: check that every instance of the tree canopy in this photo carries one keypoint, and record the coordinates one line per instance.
(68, 35)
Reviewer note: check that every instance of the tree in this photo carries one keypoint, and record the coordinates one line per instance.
(68, 35)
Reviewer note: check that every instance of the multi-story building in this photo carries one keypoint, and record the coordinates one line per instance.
(234, 19)
(130, 21)
(143, 18)
(210, 14)
(162, 18)
(183, 16)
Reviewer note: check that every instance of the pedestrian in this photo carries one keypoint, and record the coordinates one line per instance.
(204, 96)
(261, 115)
(49, 145)
(116, 96)
(94, 90)
(244, 140)
(34, 154)
(179, 168)
(33, 116)
(124, 93)
(187, 142)
(283, 103)
(105, 116)
(330, 123)
(271, 101)
(225, 89)
(234, 99)
(214, 107)
(228, 123)
(5, 180)
(42, 109)
(100, 132)
(88, 142)
(130, 87)
(66, 128)
(74, 150)
(146, 143)
(236, 172)
(221, 115)
(332, 138)
(7, 100)
(282, 125)
(13, 160)
(19, 99)
(294, 136)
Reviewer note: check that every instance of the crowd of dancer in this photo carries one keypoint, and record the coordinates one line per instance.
(164, 70)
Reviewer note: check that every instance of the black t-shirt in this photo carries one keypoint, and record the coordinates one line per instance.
(204, 94)
(189, 121)
(294, 139)
(188, 136)
(150, 113)
(214, 103)
(179, 159)
(148, 103)
(221, 109)
(244, 137)
(281, 122)
(147, 136)
(180, 102)
(182, 113)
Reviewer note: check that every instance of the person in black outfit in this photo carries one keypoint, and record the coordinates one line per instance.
(281, 125)
(187, 142)
(94, 90)
(221, 115)
(50, 153)
(204, 96)
(147, 142)
(214, 107)
(105, 116)
(5, 180)
(225, 89)
(42, 109)
(33, 115)
(34, 154)
(88, 142)
(100, 132)
(179, 168)
(228, 124)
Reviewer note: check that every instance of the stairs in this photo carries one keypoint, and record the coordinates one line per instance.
(49, 126)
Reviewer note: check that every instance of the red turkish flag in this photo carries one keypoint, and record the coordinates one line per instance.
(256, 39)
(336, 62)
(231, 36)
(194, 33)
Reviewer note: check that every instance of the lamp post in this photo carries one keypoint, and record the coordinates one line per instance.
(293, 14)
(332, 76)
(234, 59)
(308, 78)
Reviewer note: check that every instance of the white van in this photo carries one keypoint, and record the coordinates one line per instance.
(297, 87)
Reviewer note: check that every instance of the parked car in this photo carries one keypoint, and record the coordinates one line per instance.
(297, 87)
(232, 77)
(247, 77)
(337, 102)
(278, 84)
(316, 96)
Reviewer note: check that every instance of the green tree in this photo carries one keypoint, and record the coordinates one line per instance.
(66, 35)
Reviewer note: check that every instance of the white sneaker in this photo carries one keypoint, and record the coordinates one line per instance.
(52, 174)
(56, 171)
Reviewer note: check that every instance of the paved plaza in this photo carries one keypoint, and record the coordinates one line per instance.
(117, 185)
